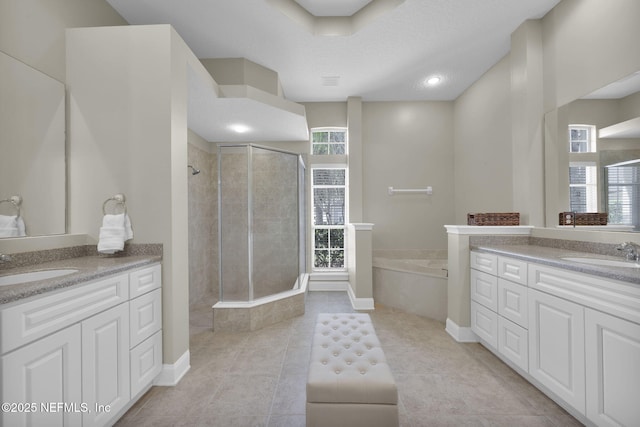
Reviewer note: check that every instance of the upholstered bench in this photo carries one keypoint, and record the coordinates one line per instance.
(349, 382)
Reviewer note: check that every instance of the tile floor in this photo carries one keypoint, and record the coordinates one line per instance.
(259, 378)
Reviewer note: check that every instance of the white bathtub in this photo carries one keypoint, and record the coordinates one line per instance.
(412, 280)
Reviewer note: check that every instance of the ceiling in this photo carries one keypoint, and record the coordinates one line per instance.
(387, 58)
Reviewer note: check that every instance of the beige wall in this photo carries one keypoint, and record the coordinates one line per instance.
(408, 145)
(482, 145)
(588, 44)
(33, 30)
(128, 129)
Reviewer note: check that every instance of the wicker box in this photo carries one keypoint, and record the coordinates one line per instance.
(583, 218)
(494, 218)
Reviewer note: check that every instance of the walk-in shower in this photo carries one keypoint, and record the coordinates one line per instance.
(261, 232)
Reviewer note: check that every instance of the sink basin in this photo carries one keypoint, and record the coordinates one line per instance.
(32, 276)
(604, 262)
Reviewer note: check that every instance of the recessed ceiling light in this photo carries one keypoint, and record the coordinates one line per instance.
(432, 81)
(239, 128)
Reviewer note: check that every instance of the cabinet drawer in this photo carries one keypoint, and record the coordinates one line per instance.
(28, 321)
(513, 343)
(512, 269)
(484, 262)
(610, 296)
(484, 289)
(146, 363)
(484, 323)
(145, 316)
(512, 302)
(145, 280)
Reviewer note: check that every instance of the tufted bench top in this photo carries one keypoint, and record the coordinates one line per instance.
(347, 362)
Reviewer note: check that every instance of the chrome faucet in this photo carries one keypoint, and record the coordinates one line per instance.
(5, 258)
(630, 249)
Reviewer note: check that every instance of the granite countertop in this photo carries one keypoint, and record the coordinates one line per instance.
(553, 257)
(89, 268)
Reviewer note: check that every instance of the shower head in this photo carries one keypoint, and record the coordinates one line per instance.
(194, 171)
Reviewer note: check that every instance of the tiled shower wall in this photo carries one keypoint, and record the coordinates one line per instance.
(203, 227)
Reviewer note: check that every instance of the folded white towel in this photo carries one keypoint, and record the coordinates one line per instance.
(115, 230)
(11, 226)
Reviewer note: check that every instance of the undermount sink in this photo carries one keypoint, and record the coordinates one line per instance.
(32, 276)
(604, 262)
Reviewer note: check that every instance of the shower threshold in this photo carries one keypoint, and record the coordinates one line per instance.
(239, 316)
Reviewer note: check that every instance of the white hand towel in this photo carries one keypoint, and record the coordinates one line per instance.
(115, 230)
(11, 226)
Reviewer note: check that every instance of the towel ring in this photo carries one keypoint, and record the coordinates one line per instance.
(119, 199)
(16, 201)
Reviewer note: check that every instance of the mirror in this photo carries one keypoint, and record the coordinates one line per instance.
(606, 139)
(32, 156)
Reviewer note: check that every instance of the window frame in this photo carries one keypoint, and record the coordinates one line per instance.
(590, 186)
(329, 130)
(329, 161)
(590, 140)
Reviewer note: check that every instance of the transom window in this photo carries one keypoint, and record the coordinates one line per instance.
(582, 139)
(328, 141)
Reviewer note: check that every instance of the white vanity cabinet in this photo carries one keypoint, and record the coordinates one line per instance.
(498, 305)
(573, 335)
(68, 356)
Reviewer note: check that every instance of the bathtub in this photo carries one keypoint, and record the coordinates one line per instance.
(414, 281)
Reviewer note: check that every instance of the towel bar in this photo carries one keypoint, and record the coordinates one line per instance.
(119, 199)
(426, 191)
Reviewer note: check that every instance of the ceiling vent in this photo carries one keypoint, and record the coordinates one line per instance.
(330, 80)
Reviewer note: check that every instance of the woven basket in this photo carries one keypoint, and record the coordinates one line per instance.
(494, 218)
(583, 218)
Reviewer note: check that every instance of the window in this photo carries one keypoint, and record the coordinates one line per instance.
(582, 139)
(583, 187)
(623, 194)
(329, 198)
(328, 141)
(329, 187)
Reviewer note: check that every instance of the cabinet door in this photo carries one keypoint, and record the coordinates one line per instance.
(44, 372)
(105, 364)
(484, 289)
(513, 343)
(556, 346)
(145, 316)
(146, 363)
(484, 323)
(512, 302)
(613, 370)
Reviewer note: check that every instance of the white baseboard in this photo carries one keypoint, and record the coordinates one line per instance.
(360, 303)
(460, 334)
(329, 285)
(172, 374)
